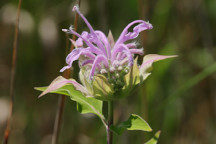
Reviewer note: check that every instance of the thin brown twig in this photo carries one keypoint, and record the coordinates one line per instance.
(12, 78)
(61, 100)
(75, 25)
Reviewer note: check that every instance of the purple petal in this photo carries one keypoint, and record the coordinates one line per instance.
(75, 8)
(79, 42)
(124, 61)
(94, 40)
(88, 54)
(125, 35)
(131, 45)
(64, 68)
(92, 47)
(97, 41)
(75, 54)
(121, 56)
(123, 48)
(105, 41)
(137, 51)
(118, 57)
(89, 61)
(98, 60)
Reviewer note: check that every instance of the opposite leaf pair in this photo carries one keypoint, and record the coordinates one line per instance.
(92, 105)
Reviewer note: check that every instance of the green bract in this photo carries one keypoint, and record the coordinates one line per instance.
(110, 86)
(99, 87)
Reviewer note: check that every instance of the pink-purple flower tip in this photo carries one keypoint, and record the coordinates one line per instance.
(75, 8)
(149, 25)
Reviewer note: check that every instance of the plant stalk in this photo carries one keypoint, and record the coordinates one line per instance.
(61, 101)
(110, 122)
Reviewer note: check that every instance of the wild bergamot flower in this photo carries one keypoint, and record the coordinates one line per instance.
(108, 69)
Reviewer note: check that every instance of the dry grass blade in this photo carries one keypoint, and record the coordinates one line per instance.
(12, 77)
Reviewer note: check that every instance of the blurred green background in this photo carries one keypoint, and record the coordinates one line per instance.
(179, 98)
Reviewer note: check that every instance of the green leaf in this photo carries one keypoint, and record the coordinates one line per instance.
(134, 122)
(148, 60)
(57, 92)
(154, 140)
(86, 104)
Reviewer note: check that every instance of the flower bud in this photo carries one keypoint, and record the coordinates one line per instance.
(117, 75)
(111, 69)
(116, 63)
(103, 71)
(126, 70)
(120, 68)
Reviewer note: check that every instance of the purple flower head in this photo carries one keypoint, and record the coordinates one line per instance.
(108, 70)
(100, 53)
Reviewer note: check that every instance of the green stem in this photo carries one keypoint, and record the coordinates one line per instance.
(110, 122)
